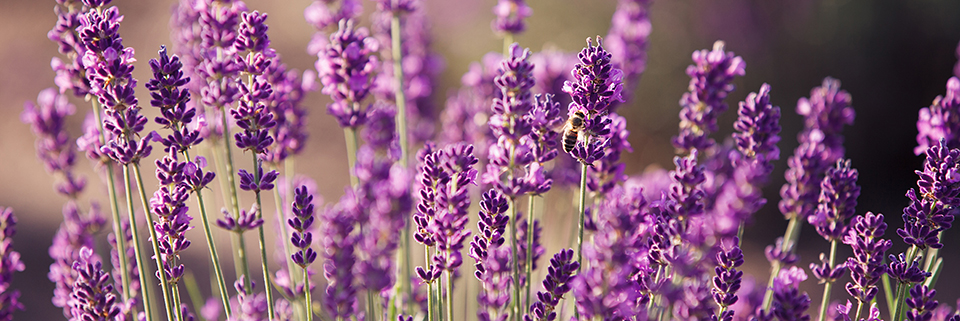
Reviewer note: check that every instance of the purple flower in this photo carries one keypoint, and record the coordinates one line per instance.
(384, 193)
(47, 120)
(930, 212)
(776, 252)
(608, 171)
(788, 302)
(134, 272)
(492, 261)
(253, 306)
(346, 68)
(71, 74)
(252, 43)
(289, 88)
(843, 312)
(246, 220)
(711, 79)
(173, 221)
(301, 223)
(514, 80)
(324, 14)
(338, 240)
(941, 119)
(92, 297)
(825, 114)
(838, 201)
(866, 264)
(75, 232)
(758, 126)
(727, 282)
(906, 272)
(9, 263)
(921, 303)
(170, 95)
(510, 15)
(523, 248)
(825, 272)
(597, 84)
(249, 181)
(218, 24)
(562, 269)
(686, 192)
(627, 40)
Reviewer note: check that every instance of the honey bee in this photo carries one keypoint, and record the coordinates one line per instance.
(572, 131)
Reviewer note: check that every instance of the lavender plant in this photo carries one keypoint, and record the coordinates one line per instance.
(660, 246)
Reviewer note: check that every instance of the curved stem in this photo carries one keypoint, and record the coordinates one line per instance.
(164, 285)
(115, 210)
(267, 287)
(829, 284)
(789, 239)
(530, 250)
(138, 252)
(582, 209)
(212, 248)
(235, 203)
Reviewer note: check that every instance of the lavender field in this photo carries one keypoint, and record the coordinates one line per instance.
(479, 160)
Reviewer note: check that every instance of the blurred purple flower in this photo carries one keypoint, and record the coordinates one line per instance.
(711, 79)
(492, 261)
(324, 15)
(9, 263)
(825, 113)
(338, 240)
(941, 119)
(347, 69)
(921, 303)
(627, 41)
(838, 201)
(931, 211)
(47, 120)
(788, 302)
(510, 16)
(75, 232)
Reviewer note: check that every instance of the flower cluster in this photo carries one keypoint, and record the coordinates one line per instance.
(866, 265)
(492, 261)
(562, 269)
(510, 15)
(941, 119)
(92, 297)
(788, 302)
(173, 222)
(338, 238)
(47, 119)
(596, 86)
(9, 263)
(326, 14)
(627, 40)
(168, 93)
(930, 212)
(838, 201)
(711, 79)
(346, 68)
(71, 74)
(728, 279)
(301, 223)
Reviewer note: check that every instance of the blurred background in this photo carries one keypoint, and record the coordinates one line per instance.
(894, 57)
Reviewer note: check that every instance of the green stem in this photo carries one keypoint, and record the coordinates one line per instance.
(306, 295)
(829, 284)
(888, 292)
(903, 288)
(401, 122)
(263, 244)
(350, 135)
(449, 299)
(138, 252)
(514, 262)
(212, 248)
(370, 303)
(115, 210)
(789, 239)
(164, 285)
(582, 210)
(507, 41)
(859, 309)
(235, 203)
(193, 290)
(430, 316)
(530, 249)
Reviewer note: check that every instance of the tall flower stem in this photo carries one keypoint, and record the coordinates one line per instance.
(350, 135)
(165, 287)
(306, 295)
(530, 249)
(903, 288)
(449, 299)
(115, 210)
(789, 239)
(241, 250)
(507, 41)
(514, 264)
(284, 229)
(138, 252)
(829, 284)
(401, 122)
(582, 209)
(430, 316)
(263, 246)
(212, 247)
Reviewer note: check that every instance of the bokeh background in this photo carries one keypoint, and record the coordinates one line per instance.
(893, 56)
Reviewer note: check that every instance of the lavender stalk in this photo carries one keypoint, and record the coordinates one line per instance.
(9, 263)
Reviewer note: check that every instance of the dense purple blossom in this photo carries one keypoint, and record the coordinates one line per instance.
(384, 193)
(562, 269)
(605, 287)
(711, 79)
(245, 220)
(338, 238)
(9, 263)
(47, 120)
(838, 201)
(609, 170)
(252, 305)
(289, 89)
(346, 68)
(728, 279)
(551, 68)
(627, 41)
(597, 83)
(906, 272)
(301, 223)
(71, 73)
(866, 265)
(492, 261)
(170, 95)
(758, 127)
(931, 211)
(75, 232)
(921, 303)
(788, 302)
(941, 119)
(510, 16)
(323, 15)
(173, 220)
(92, 297)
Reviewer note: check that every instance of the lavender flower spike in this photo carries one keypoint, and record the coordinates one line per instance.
(789, 303)
(492, 260)
(941, 119)
(930, 211)
(711, 79)
(562, 269)
(338, 238)
(92, 297)
(346, 69)
(510, 16)
(628, 38)
(838, 201)
(921, 303)
(596, 86)
(866, 264)
(9, 263)
(727, 282)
